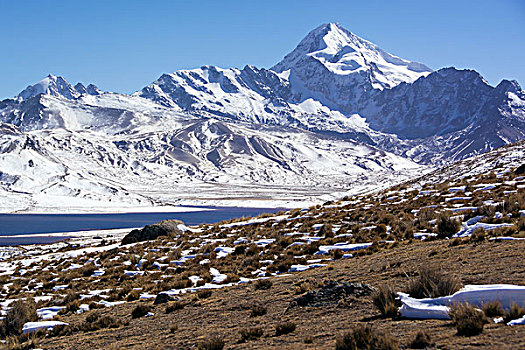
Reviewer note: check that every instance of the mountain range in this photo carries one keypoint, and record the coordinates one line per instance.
(337, 115)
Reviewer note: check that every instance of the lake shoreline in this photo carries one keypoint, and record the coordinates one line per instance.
(26, 229)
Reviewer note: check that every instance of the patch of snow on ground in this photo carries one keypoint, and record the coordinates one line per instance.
(477, 295)
(30, 327)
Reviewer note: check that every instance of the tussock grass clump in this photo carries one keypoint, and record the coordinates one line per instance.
(94, 321)
(446, 226)
(468, 320)
(303, 287)
(514, 313)
(421, 341)
(364, 337)
(258, 310)
(385, 300)
(18, 343)
(204, 293)
(133, 295)
(213, 343)
(251, 333)
(432, 282)
(284, 328)
(140, 310)
(176, 305)
(478, 235)
(22, 311)
(493, 309)
(264, 284)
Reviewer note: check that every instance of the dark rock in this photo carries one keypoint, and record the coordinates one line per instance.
(163, 298)
(332, 293)
(151, 232)
(520, 170)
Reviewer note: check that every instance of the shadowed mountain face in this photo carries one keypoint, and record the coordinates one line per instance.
(336, 111)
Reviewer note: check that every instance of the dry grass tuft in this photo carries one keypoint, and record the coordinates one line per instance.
(514, 313)
(493, 309)
(468, 320)
(421, 341)
(432, 282)
(284, 328)
(385, 300)
(364, 337)
(213, 343)
(251, 333)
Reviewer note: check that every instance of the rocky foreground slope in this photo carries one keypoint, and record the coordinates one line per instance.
(298, 278)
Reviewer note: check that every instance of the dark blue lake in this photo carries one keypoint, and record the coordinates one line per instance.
(16, 224)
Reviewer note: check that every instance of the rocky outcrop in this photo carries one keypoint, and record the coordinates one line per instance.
(151, 232)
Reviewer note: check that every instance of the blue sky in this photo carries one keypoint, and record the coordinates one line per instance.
(124, 45)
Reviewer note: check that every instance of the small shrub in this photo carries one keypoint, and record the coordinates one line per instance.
(308, 340)
(213, 343)
(133, 295)
(338, 254)
(263, 284)
(446, 226)
(493, 309)
(385, 300)
(258, 310)
(176, 305)
(140, 310)
(326, 230)
(284, 328)
(514, 313)
(284, 266)
(469, 321)
(362, 337)
(432, 283)
(204, 293)
(478, 235)
(303, 287)
(421, 341)
(22, 311)
(95, 322)
(251, 333)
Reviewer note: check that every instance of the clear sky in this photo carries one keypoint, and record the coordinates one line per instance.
(124, 45)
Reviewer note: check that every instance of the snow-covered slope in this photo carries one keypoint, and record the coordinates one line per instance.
(336, 83)
(114, 151)
(338, 68)
(57, 86)
(336, 114)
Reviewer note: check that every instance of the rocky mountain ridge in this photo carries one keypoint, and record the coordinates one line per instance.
(337, 113)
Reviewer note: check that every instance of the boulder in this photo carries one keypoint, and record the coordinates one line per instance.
(520, 170)
(163, 298)
(151, 232)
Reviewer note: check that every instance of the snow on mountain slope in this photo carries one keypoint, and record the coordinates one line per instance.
(449, 115)
(336, 67)
(56, 86)
(336, 114)
(445, 101)
(113, 113)
(250, 95)
(202, 161)
(339, 84)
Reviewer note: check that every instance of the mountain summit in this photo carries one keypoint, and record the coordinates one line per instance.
(56, 86)
(337, 67)
(335, 114)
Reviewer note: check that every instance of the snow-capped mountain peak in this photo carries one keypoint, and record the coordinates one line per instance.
(344, 53)
(57, 86)
(339, 69)
(50, 85)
